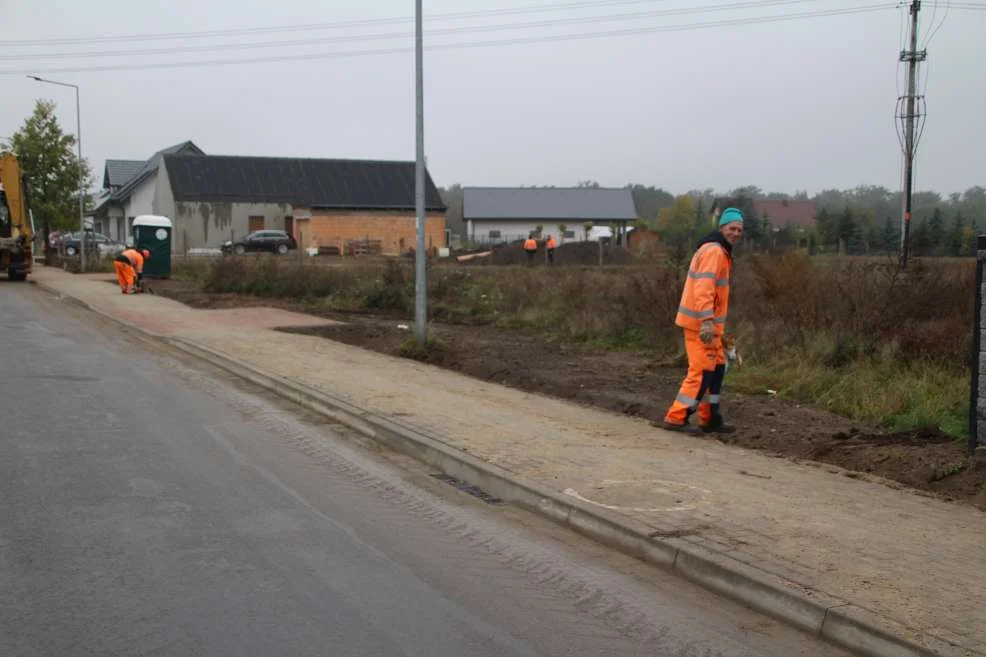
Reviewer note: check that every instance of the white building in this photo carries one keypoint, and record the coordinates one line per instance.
(506, 214)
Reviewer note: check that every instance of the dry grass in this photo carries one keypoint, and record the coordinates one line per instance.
(851, 334)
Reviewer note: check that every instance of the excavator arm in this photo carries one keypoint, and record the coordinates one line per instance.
(16, 229)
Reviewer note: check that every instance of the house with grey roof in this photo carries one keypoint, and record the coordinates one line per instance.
(505, 214)
(324, 203)
(130, 189)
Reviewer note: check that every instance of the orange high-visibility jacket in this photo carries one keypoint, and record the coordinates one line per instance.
(706, 292)
(136, 259)
(551, 243)
(530, 244)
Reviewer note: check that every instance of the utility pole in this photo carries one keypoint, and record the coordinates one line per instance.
(911, 57)
(420, 282)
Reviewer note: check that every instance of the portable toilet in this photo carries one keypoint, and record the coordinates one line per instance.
(153, 232)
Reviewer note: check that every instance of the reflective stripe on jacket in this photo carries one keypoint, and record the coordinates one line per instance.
(706, 292)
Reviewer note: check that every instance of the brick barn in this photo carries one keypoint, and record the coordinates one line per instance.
(329, 204)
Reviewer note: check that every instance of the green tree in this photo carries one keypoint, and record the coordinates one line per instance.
(676, 226)
(847, 231)
(936, 232)
(956, 236)
(921, 240)
(47, 155)
(890, 237)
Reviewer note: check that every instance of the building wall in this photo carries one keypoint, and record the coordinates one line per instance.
(395, 229)
(479, 230)
(207, 225)
(141, 201)
(164, 199)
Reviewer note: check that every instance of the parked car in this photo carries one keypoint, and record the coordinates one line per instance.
(72, 243)
(274, 241)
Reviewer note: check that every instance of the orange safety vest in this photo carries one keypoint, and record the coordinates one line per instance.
(551, 243)
(706, 292)
(531, 244)
(136, 259)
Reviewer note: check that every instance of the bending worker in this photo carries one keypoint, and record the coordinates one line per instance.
(129, 267)
(702, 316)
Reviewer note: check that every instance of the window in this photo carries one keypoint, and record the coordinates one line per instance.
(568, 234)
(255, 223)
(494, 233)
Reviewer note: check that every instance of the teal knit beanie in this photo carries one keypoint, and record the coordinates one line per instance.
(729, 215)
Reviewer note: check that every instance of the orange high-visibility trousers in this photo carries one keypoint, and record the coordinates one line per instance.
(703, 382)
(124, 275)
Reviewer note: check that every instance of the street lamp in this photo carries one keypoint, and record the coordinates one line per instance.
(420, 267)
(78, 141)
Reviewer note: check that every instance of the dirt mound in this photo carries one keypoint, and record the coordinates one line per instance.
(571, 253)
(630, 383)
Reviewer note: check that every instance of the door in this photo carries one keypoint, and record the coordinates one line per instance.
(256, 223)
(289, 226)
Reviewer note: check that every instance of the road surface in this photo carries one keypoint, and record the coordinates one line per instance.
(151, 507)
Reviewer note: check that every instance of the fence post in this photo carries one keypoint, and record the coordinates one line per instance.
(977, 399)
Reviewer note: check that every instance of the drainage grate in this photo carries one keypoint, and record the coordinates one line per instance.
(475, 491)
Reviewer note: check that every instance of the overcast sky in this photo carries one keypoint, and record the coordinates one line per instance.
(797, 104)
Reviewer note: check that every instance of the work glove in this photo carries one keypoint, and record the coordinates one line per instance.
(707, 332)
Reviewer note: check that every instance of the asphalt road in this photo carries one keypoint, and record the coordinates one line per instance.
(149, 507)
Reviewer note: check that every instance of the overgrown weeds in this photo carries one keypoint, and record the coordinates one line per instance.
(853, 335)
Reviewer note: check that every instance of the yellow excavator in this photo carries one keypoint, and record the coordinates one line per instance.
(16, 222)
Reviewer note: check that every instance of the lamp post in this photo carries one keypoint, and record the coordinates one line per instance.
(78, 142)
(420, 267)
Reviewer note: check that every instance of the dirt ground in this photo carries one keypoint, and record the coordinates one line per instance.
(635, 384)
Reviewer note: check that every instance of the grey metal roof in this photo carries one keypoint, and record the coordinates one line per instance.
(315, 183)
(570, 203)
(117, 172)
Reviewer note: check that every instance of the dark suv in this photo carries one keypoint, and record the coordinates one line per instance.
(275, 241)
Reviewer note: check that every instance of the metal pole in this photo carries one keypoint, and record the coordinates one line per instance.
(977, 346)
(78, 128)
(420, 282)
(78, 141)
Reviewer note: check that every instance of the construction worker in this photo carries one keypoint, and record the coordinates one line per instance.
(129, 266)
(531, 248)
(551, 245)
(702, 316)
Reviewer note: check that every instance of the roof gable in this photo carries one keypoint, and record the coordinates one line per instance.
(569, 203)
(118, 172)
(315, 183)
(151, 166)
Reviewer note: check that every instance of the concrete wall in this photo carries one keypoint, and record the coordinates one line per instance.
(164, 199)
(395, 229)
(141, 201)
(207, 225)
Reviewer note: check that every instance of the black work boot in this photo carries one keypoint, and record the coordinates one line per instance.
(718, 425)
(687, 427)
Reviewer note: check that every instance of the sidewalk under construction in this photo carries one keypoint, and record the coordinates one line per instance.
(879, 569)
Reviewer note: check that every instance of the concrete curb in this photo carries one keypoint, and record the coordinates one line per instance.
(815, 612)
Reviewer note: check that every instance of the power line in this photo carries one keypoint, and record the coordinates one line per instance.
(455, 31)
(308, 27)
(461, 46)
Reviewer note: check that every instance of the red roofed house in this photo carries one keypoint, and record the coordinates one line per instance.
(784, 214)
